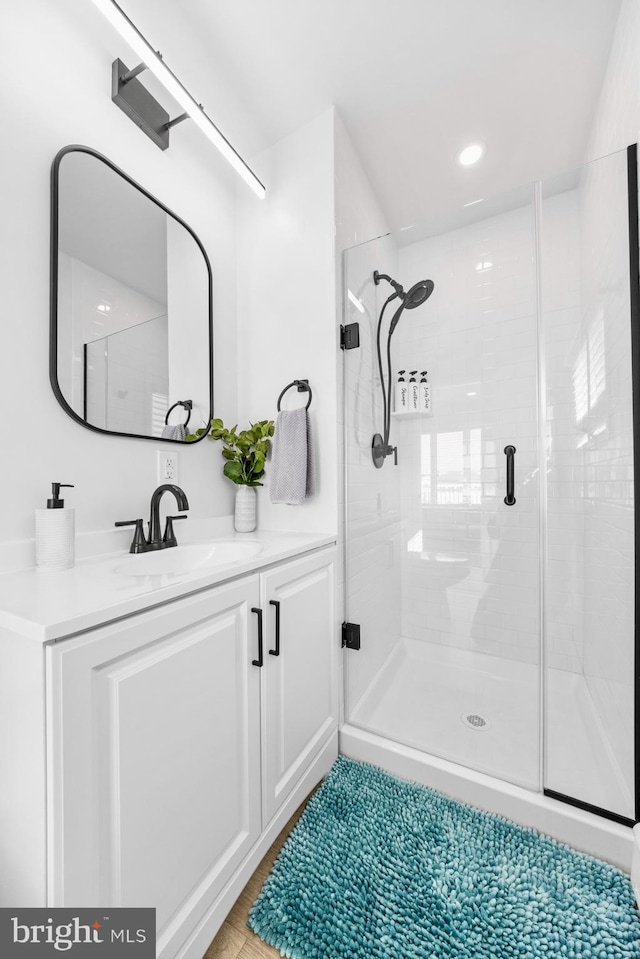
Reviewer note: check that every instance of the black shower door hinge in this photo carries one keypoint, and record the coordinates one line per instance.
(350, 336)
(351, 635)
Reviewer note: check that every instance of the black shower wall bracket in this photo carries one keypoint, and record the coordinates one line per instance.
(351, 635)
(350, 336)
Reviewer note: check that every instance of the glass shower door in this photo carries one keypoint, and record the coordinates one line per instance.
(590, 518)
(442, 574)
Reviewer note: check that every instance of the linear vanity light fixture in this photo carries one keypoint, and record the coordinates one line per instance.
(152, 60)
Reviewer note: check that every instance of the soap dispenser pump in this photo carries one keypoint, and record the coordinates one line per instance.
(402, 396)
(425, 393)
(55, 533)
(414, 405)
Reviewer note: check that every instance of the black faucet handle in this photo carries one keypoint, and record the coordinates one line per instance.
(169, 538)
(138, 543)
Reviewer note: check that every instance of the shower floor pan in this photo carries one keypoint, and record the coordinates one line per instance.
(483, 712)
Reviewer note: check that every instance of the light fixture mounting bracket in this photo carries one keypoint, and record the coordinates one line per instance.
(134, 99)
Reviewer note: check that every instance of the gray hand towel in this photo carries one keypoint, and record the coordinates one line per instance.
(293, 463)
(177, 432)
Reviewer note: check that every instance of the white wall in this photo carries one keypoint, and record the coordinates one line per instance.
(64, 97)
(286, 308)
(616, 120)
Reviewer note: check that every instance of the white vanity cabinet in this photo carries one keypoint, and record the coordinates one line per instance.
(299, 689)
(154, 756)
(173, 758)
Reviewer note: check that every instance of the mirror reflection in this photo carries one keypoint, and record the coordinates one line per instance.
(132, 305)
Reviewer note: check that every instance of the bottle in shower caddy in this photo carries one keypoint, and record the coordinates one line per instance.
(402, 394)
(414, 392)
(424, 393)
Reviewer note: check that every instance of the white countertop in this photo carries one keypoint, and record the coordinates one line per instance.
(46, 606)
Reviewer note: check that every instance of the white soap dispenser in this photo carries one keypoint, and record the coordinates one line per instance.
(55, 533)
(414, 404)
(425, 393)
(402, 396)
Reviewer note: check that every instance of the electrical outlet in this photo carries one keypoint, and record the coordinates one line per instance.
(167, 467)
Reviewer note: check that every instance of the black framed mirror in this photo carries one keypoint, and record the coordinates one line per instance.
(131, 333)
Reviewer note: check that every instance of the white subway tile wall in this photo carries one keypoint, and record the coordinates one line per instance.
(470, 562)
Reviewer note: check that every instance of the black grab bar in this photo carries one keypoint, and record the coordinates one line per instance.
(510, 454)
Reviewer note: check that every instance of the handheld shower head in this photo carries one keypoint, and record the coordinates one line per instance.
(418, 293)
(416, 296)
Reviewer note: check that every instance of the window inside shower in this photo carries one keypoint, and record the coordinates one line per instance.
(501, 635)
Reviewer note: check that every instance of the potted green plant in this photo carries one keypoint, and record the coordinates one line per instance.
(245, 455)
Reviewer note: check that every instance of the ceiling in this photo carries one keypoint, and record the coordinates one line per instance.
(414, 81)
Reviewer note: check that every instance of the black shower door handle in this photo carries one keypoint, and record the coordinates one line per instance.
(510, 454)
(276, 605)
(260, 660)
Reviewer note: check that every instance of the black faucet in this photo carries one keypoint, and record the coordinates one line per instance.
(155, 540)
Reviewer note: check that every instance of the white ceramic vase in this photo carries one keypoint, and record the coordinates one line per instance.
(245, 516)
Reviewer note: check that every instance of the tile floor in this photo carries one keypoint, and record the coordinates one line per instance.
(235, 940)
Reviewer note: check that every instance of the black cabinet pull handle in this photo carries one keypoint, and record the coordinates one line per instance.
(510, 454)
(276, 606)
(260, 660)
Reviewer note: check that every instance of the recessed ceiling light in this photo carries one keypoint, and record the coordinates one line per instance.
(471, 154)
(472, 394)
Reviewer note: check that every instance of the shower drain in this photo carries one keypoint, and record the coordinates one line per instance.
(475, 721)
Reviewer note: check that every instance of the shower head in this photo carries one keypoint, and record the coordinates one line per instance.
(416, 296)
(418, 293)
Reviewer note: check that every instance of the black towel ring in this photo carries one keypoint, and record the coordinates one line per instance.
(188, 405)
(303, 387)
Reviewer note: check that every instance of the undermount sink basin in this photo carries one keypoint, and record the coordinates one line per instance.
(190, 558)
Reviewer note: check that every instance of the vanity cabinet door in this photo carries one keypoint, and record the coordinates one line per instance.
(154, 758)
(300, 685)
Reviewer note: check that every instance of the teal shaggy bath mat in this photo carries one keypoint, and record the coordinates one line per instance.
(378, 867)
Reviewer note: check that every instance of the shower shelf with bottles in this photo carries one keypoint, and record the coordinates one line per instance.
(407, 414)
